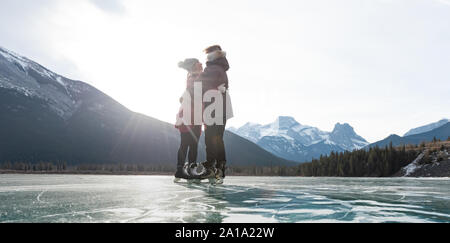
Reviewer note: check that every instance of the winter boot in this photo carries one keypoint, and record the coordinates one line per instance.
(181, 173)
(193, 171)
(209, 170)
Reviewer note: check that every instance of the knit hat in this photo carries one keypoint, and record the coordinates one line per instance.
(188, 64)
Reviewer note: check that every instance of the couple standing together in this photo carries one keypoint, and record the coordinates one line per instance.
(205, 102)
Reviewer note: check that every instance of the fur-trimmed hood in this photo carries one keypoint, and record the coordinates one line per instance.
(218, 58)
(215, 55)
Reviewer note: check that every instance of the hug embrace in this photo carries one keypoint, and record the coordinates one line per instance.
(205, 102)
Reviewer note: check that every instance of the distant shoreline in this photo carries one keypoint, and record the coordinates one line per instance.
(18, 172)
(427, 160)
(12, 172)
(3, 172)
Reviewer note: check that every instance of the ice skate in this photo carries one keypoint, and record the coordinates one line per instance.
(181, 173)
(220, 172)
(209, 171)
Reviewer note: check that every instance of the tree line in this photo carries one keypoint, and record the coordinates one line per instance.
(373, 162)
(63, 167)
(49, 167)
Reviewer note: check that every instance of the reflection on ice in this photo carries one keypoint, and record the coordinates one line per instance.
(68, 198)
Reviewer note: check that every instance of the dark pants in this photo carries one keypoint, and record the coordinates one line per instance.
(189, 142)
(215, 147)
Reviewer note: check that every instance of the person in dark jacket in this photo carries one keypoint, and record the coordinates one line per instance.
(189, 132)
(215, 78)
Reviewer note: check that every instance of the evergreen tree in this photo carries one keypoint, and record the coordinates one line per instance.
(373, 162)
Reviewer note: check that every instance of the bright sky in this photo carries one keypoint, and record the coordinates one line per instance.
(383, 66)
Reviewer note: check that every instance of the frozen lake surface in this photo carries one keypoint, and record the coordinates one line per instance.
(95, 198)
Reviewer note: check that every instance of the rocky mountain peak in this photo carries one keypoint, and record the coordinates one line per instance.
(343, 128)
(286, 122)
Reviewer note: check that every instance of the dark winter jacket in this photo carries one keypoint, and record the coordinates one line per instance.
(215, 74)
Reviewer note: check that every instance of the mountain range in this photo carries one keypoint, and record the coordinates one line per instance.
(47, 117)
(427, 128)
(287, 138)
(441, 132)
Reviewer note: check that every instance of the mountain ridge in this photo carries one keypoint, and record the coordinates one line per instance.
(442, 133)
(427, 128)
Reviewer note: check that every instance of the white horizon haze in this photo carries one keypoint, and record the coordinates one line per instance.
(382, 66)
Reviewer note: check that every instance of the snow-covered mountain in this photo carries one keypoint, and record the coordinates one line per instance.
(291, 140)
(439, 130)
(35, 81)
(344, 136)
(442, 133)
(283, 126)
(427, 128)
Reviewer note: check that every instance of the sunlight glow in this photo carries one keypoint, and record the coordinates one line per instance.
(366, 62)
